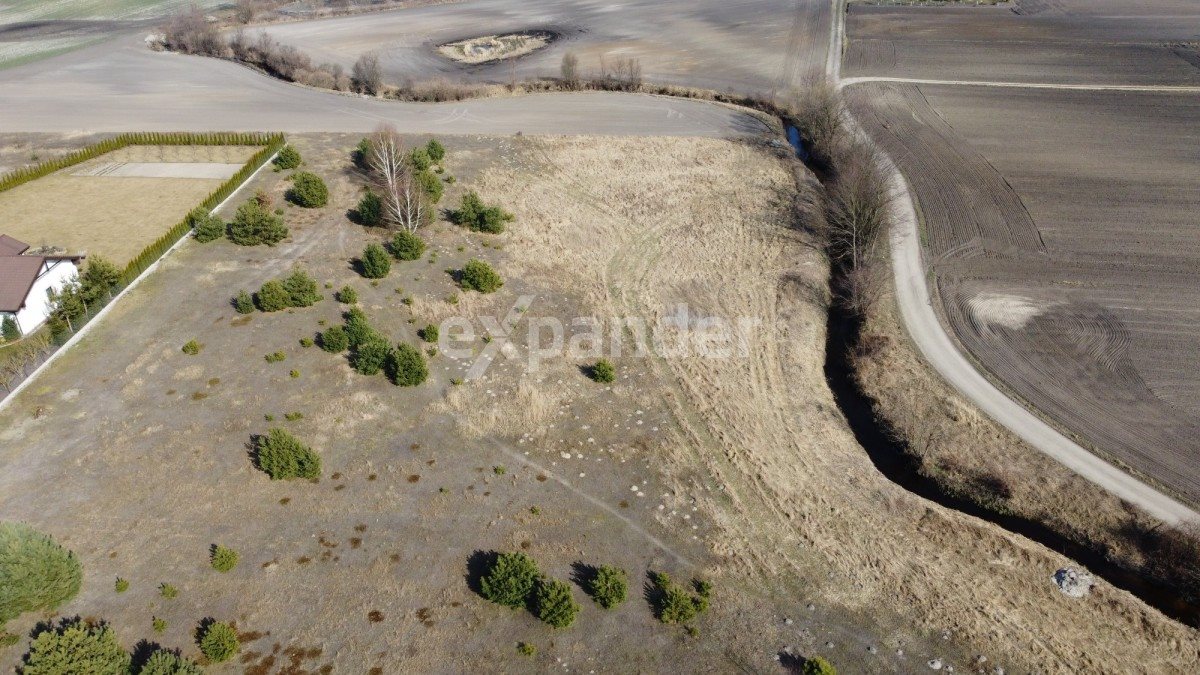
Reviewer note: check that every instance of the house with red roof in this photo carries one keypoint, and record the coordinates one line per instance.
(27, 279)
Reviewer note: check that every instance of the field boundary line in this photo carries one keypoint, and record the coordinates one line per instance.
(1142, 88)
(82, 332)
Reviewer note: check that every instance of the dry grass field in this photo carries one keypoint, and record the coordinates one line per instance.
(114, 217)
(1062, 41)
(740, 470)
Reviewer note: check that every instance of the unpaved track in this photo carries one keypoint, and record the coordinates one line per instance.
(916, 307)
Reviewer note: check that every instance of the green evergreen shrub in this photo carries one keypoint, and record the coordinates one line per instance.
(191, 348)
(223, 559)
(554, 604)
(371, 355)
(420, 160)
(347, 295)
(243, 303)
(406, 246)
(435, 150)
(218, 641)
(73, 646)
(358, 330)
(477, 216)
(429, 333)
(608, 587)
(9, 329)
(672, 603)
(431, 186)
(334, 340)
(282, 456)
(308, 190)
(253, 225)
(168, 591)
(405, 366)
(169, 662)
(121, 585)
(817, 665)
(510, 579)
(369, 210)
(301, 289)
(36, 574)
(374, 263)
(205, 226)
(273, 297)
(158, 624)
(479, 276)
(288, 158)
(99, 279)
(603, 371)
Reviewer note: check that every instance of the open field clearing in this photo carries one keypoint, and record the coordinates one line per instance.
(748, 46)
(1071, 42)
(1096, 326)
(113, 216)
(138, 90)
(738, 470)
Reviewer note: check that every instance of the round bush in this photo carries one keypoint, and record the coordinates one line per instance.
(347, 295)
(218, 641)
(36, 574)
(167, 662)
(609, 586)
(253, 225)
(243, 303)
(334, 340)
(405, 366)
(510, 579)
(223, 559)
(76, 647)
(288, 158)
(374, 263)
(420, 159)
(817, 666)
(273, 297)
(479, 276)
(369, 210)
(431, 186)
(206, 226)
(435, 150)
(429, 333)
(407, 246)
(554, 604)
(282, 456)
(308, 190)
(370, 356)
(603, 371)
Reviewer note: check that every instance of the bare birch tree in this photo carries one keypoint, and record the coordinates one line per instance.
(403, 199)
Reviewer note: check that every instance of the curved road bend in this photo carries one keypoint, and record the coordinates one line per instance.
(121, 86)
(936, 346)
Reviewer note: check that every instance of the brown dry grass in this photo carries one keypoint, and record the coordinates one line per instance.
(705, 223)
(110, 216)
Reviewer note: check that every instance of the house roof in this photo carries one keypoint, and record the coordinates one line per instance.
(17, 274)
(10, 246)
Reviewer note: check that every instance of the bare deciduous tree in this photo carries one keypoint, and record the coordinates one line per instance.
(245, 10)
(367, 74)
(403, 199)
(857, 202)
(569, 70)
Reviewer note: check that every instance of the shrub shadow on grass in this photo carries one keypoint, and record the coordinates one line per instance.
(251, 447)
(144, 649)
(202, 628)
(654, 594)
(584, 575)
(478, 564)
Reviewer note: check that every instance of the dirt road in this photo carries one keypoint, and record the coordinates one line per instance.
(935, 344)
